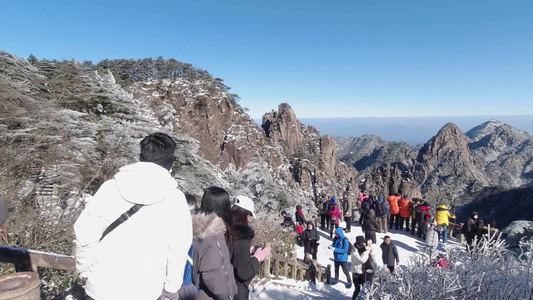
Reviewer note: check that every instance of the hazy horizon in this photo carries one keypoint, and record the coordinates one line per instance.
(411, 130)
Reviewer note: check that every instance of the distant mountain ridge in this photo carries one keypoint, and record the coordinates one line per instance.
(410, 130)
(451, 168)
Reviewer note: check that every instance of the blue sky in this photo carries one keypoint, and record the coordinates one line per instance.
(325, 58)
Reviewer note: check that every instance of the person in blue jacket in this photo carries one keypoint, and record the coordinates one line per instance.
(340, 248)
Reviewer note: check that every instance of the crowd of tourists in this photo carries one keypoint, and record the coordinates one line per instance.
(377, 214)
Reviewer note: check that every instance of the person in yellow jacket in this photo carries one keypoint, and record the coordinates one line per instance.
(442, 217)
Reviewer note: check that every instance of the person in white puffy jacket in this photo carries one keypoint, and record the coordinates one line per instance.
(143, 257)
(360, 255)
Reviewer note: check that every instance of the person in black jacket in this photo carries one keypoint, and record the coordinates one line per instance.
(310, 238)
(245, 258)
(370, 225)
(389, 254)
(299, 215)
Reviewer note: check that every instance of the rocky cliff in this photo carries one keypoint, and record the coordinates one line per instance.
(68, 126)
(454, 168)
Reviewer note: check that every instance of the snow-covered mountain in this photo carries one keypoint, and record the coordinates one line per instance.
(451, 168)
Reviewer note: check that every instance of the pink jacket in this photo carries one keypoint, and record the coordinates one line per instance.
(335, 212)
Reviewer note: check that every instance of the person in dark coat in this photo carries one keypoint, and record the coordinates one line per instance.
(299, 216)
(213, 237)
(245, 259)
(389, 254)
(474, 227)
(415, 215)
(310, 239)
(422, 216)
(289, 223)
(370, 225)
(347, 210)
(324, 216)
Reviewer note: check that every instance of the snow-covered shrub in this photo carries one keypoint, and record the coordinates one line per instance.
(488, 271)
(281, 239)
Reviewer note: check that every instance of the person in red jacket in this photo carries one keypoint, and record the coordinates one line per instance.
(394, 210)
(406, 207)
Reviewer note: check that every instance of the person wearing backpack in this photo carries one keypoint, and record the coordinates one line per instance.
(139, 256)
(381, 215)
(245, 259)
(361, 255)
(341, 246)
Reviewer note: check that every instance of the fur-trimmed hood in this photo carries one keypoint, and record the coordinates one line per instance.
(207, 225)
(244, 232)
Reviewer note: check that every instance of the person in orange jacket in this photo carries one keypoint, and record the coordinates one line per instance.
(394, 210)
(406, 206)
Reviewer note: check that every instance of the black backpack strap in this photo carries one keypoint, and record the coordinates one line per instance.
(123, 217)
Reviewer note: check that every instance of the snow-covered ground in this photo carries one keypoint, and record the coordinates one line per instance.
(300, 290)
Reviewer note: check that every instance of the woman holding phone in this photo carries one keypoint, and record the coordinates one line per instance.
(245, 258)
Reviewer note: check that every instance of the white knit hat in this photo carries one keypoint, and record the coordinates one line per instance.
(246, 203)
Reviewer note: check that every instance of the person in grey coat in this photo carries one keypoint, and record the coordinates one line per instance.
(212, 233)
(432, 235)
(347, 210)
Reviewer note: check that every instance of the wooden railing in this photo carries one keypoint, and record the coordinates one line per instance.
(277, 266)
(273, 267)
(34, 259)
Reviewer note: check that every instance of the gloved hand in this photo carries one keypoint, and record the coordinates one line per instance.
(262, 253)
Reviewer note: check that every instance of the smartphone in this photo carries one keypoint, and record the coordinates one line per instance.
(369, 242)
(257, 247)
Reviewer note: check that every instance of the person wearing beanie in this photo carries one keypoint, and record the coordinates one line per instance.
(442, 216)
(246, 260)
(105, 253)
(299, 216)
(360, 256)
(334, 216)
(310, 240)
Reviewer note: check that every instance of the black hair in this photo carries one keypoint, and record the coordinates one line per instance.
(240, 215)
(216, 200)
(158, 148)
(191, 201)
(283, 212)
